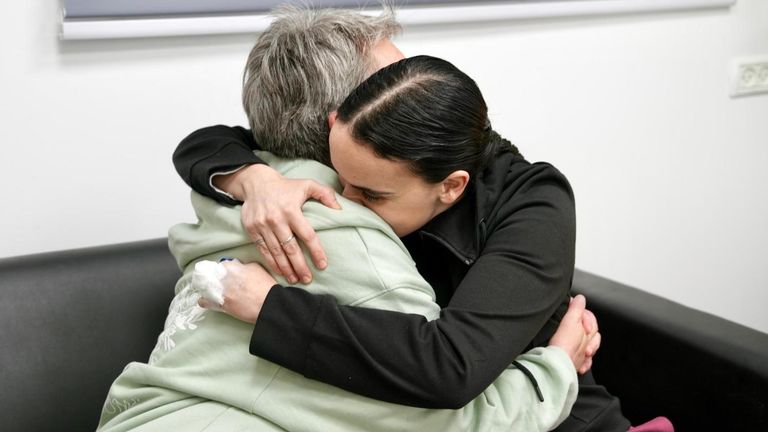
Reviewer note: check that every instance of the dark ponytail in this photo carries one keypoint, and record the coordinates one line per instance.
(425, 111)
(497, 144)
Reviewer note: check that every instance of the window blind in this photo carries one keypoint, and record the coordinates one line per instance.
(92, 19)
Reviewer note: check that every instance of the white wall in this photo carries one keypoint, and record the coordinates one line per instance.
(668, 170)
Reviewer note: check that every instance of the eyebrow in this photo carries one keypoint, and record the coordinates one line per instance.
(370, 191)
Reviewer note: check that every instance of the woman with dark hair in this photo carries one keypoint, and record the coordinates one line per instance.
(492, 233)
(425, 123)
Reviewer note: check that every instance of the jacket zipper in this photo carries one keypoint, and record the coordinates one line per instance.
(481, 240)
(464, 259)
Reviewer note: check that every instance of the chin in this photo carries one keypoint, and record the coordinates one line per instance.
(402, 232)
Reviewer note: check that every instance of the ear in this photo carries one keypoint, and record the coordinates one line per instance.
(331, 119)
(453, 186)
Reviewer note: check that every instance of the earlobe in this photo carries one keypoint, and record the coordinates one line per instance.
(331, 119)
(453, 186)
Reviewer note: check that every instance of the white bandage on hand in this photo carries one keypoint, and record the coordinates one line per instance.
(207, 280)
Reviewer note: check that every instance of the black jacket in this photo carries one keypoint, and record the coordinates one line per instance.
(500, 260)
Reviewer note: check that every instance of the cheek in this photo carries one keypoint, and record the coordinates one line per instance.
(392, 214)
(404, 219)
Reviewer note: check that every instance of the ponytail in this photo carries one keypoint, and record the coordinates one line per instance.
(495, 145)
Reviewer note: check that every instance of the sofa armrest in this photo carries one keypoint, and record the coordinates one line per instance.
(662, 358)
(70, 321)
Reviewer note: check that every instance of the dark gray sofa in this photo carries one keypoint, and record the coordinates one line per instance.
(70, 321)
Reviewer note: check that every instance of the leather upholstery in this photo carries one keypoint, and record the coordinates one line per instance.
(662, 358)
(71, 320)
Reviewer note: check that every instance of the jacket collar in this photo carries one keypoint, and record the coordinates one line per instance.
(456, 228)
(461, 228)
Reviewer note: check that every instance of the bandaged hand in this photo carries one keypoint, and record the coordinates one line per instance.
(232, 287)
(208, 282)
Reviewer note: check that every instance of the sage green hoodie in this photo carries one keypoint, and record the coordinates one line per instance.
(201, 376)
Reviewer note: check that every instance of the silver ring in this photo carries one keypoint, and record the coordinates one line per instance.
(288, 240)
(260, 242)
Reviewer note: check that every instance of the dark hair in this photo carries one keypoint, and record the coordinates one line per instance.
(425, 111)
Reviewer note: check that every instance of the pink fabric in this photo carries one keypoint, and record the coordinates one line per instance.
(659, 424)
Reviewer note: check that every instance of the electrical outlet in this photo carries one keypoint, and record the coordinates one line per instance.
(749, 76)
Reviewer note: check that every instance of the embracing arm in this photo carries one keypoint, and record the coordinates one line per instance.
(510, 402)
(212, 150)
(386, 279)
(521, 277)
(383, 278)
(271, 209)
(514, 401)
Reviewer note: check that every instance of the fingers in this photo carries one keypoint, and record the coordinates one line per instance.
(575, 311)
(579, 302)
(324, 194)
(278, 254)
(262, 232)
(589, 320)
(589, 353)
(255, 227)
(295, 258)
(585, 366)
(303, 230)
(275, 223)
(261, 246)
(276, 239)
(593, 345)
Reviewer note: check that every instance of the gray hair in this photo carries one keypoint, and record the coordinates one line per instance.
(301, 68)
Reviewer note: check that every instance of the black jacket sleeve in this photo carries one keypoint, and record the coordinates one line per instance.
(211, 150)
(521, 276)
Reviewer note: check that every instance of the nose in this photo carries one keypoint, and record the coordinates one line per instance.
(352, 194)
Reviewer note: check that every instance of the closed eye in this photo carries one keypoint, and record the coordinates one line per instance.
(370, 196)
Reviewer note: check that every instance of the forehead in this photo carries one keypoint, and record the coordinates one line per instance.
(360, 166)
(385, 53)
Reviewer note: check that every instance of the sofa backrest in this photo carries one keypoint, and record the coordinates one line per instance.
(69, 322)
(659, 357)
